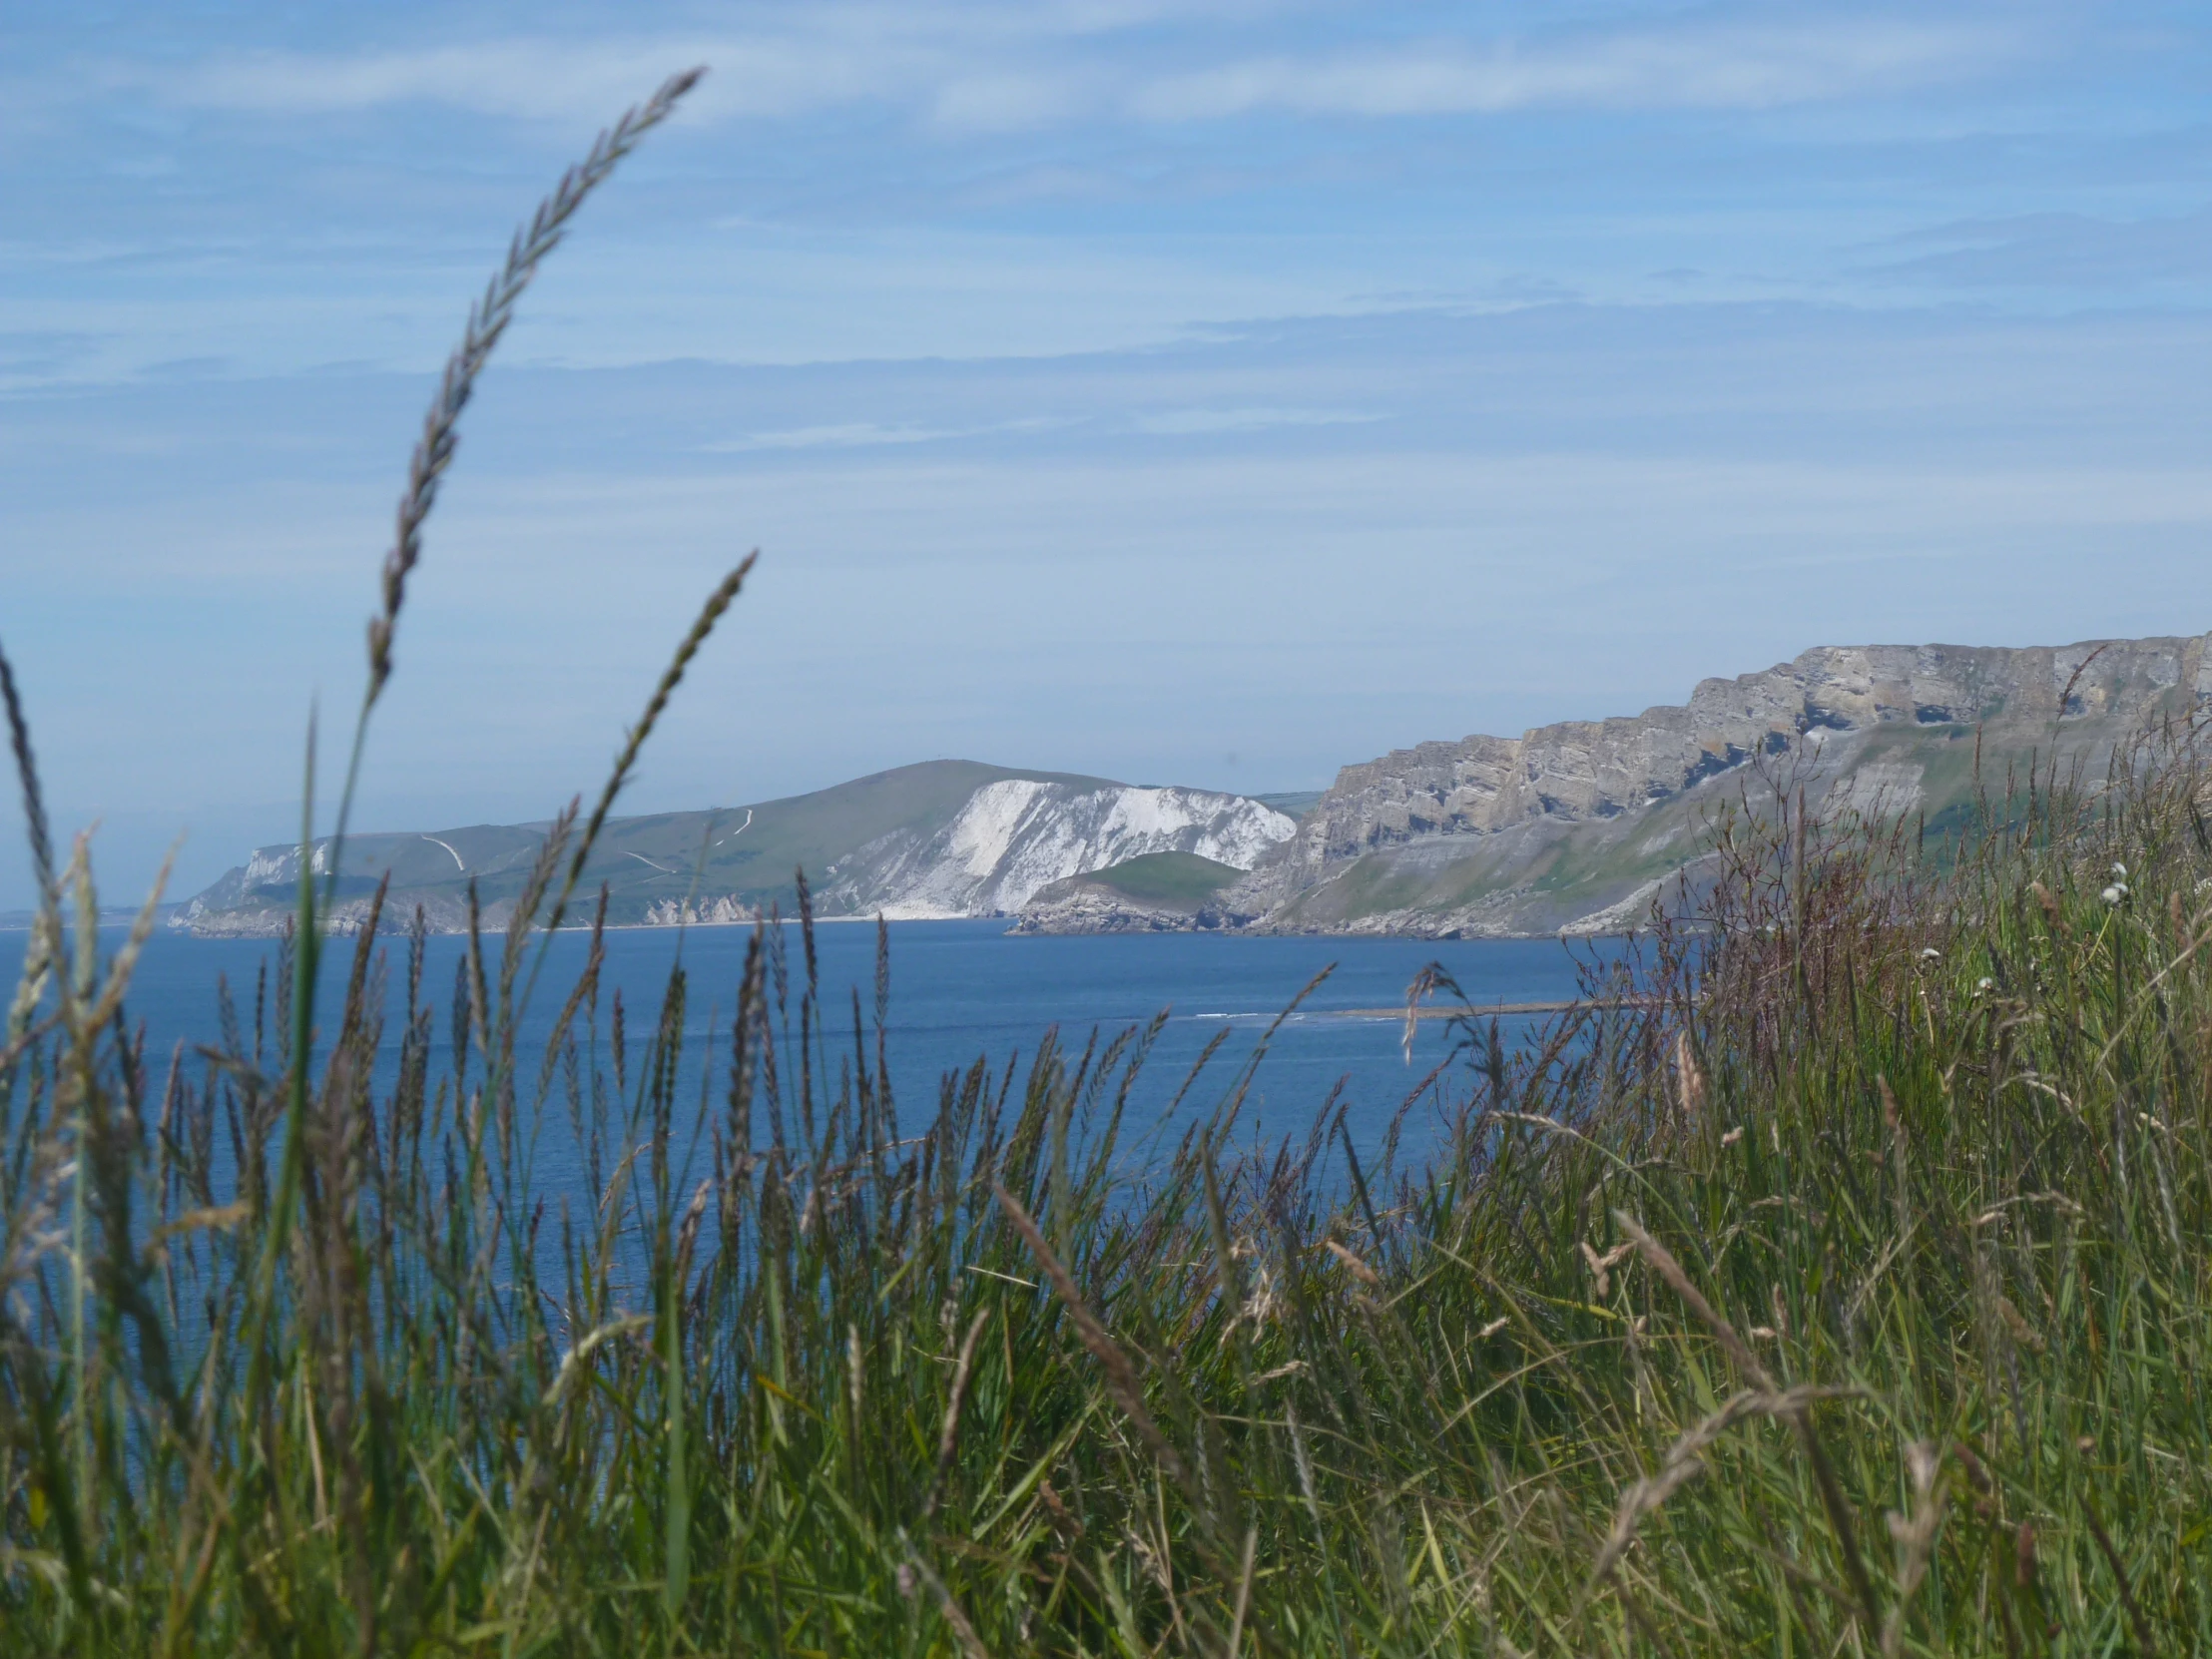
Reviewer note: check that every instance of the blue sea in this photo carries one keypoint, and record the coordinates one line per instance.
(965, 989)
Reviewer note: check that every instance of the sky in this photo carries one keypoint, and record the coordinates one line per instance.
(1215, 393)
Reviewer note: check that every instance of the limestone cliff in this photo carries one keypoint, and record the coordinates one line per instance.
(1576, 826)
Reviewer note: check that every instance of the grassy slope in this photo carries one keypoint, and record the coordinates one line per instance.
(1172, 880)
(649, 857)
(810, 830)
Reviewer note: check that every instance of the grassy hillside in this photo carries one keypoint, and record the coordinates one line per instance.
(811, 831)
(1171, 881)
(750, 852)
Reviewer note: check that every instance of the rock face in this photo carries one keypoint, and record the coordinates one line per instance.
(1015, 837)
(261, 897)
(1578, 825)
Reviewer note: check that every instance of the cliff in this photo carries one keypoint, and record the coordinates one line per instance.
(1015, 837)
(1578, 826)
(943, 839)
(1573, 827)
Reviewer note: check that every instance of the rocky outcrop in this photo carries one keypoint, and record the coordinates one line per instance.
(347, 917)
(1082, 906)
(1567, 825)
(721, 911)
(1158, 893)
(260, 900)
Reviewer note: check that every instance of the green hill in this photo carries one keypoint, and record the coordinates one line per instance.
(746, 854)
(1180, 881)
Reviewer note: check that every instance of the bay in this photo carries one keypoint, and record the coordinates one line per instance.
(959, 990)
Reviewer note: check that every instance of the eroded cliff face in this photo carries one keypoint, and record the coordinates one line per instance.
(1015, 837)
(1574, 825)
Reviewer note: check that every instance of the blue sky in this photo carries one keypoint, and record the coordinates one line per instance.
(1214, 393)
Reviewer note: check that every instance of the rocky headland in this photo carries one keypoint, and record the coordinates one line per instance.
(1579, 827)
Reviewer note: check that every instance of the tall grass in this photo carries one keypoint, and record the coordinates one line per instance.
(1836, 1279)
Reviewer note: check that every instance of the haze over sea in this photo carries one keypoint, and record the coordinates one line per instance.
(963, 990)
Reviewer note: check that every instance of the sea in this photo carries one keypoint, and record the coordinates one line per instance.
(965, 989)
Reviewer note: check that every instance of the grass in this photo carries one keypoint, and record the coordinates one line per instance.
(1841, 1288)
(1174, 878)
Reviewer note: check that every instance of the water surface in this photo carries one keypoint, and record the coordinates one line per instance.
(961, 989)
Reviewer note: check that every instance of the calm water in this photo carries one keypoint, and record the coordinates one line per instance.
(961, 989)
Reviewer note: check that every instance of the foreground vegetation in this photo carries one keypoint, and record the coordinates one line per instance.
(1835, 1279)
(1842, 1286)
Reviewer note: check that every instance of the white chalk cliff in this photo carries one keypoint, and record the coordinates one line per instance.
(1017, 835)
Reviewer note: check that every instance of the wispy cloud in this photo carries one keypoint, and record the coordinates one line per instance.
(857, 434)
(1702, 67)
(868, 435)
(33, 354)
(1194, 423)
(956, 66)
(1012, 101)
(545, 79)
(2057, 251)
(968, 70)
